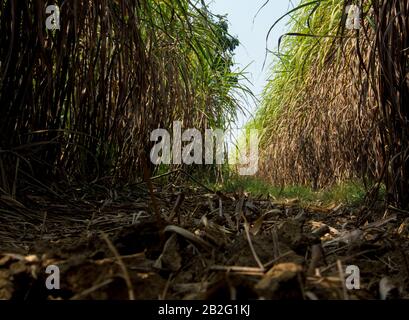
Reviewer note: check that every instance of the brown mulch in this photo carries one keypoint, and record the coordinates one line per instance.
(108, 244)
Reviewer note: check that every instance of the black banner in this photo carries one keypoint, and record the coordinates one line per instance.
(177, 310)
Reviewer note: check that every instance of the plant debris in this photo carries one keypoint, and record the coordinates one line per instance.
(114, 248)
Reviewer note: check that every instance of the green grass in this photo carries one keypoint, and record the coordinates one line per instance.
(350, 193)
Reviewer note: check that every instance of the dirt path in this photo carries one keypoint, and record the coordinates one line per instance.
(211, 246)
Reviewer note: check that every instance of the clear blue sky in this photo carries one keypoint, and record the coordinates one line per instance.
(252, 36)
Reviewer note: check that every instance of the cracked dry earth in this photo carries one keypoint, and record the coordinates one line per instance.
(110, 245)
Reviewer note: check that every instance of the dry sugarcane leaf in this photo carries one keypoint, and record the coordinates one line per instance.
(189, 236)
(170, 258)
(255, 229)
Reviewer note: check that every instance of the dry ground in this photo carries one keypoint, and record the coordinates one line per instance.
(109, 244)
